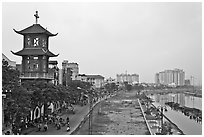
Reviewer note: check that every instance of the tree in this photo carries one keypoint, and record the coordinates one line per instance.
(111, 87)
(42, 93)
(128, 87)
(17, 102)
(138, 87)
(77, 83)
(10, 76)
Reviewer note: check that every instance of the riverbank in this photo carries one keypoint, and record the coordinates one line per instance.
(180, 110)
(154, 120)
(174, 91)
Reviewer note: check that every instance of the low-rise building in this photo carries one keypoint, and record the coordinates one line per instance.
(10, 63)
(187, 82)
(54, 70)
(110, 80)
(130, 78)
(96, 80)
(82, 77)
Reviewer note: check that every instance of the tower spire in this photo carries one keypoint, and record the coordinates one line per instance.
(36, 17)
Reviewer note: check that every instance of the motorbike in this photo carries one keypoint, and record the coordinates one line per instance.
(68, 128)
(58, 126)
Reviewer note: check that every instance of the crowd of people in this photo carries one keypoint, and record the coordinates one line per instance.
(41, 124)
(57, 121)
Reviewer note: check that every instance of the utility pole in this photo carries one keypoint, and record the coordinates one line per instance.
(90, 115)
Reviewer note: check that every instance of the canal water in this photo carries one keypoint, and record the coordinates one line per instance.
(187, 125)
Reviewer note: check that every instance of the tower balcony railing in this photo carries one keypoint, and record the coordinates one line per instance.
(37, 75)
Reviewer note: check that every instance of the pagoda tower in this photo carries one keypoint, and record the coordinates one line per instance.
(35, 53)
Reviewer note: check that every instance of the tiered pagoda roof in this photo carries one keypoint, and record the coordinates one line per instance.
(35, 29)
(34, 51)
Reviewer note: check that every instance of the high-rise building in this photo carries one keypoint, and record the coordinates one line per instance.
(174, 77)
(157, 78)
(35, 53)
(74, 67)
(70, 71)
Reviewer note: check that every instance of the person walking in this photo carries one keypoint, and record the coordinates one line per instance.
(68, 128)
(58, 126)
(67, 120)
(45, 127)
(39, 126)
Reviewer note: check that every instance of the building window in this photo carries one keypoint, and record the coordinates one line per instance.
(30, 68)
(35, 57)
(44, 57)
(44, 43)
(36, 42)
(31, 57)
(44, 67)
(35, 66)
(28, 41)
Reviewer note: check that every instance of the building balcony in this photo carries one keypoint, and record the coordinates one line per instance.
(49, 76)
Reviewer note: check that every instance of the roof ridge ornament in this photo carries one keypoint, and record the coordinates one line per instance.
(36, 17)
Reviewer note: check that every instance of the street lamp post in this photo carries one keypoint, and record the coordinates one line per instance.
(90, 114)
(3, 99)
(162, 108)
(5, 95)
(90, 109)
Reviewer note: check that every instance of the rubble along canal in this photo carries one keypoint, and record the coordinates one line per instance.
(118, 115)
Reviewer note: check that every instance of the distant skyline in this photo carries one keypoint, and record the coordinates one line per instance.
(114, 37)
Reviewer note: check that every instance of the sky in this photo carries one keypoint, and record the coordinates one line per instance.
(114, 37)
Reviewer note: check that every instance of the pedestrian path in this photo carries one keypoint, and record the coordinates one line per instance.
(80, 112)
(75, 120)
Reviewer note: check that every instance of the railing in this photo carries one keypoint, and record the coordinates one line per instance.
(37, 75)
(150, 131)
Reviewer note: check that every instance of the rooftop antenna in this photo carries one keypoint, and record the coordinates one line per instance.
(36, 17)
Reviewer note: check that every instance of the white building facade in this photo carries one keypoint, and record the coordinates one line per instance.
(74, 67)
(174, 77)
(130, 78)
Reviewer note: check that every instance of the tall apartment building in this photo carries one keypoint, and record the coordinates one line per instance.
(170, 77)
(130, 78)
